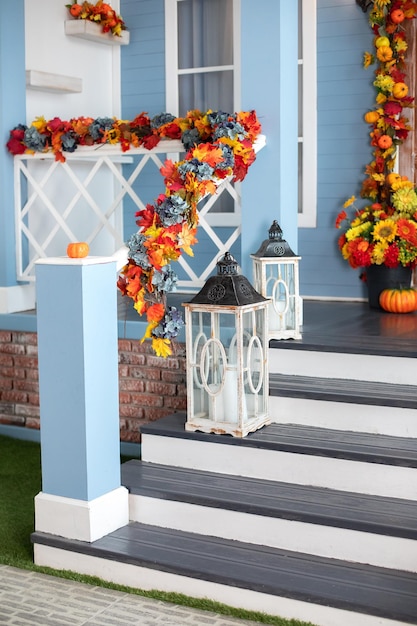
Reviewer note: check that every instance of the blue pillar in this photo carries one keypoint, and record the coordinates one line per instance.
(13, 297)
(79, 401)
(269, 62)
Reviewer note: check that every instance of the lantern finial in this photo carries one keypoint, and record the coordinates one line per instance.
(275, 245)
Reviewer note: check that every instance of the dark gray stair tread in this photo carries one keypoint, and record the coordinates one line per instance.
(342, 390)
(330, 582)
(324, 442)
(315, 505)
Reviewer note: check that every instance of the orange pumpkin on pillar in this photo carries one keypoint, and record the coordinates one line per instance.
(78, 250)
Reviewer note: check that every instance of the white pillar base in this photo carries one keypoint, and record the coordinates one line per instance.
(17, 298)
(81, 519)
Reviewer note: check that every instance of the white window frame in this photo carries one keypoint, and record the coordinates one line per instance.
(172, 71)
(308, 217)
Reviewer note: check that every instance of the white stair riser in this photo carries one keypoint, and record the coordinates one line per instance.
(327, 541)
(364, 418)
(148, 579)
(367, 367)
(301, 469)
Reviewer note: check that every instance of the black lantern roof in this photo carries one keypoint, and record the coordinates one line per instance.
(275, 245)
(228, 288)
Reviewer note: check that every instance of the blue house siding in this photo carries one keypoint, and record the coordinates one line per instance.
(344, 95)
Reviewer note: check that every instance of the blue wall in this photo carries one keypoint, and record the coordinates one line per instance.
(345, 93)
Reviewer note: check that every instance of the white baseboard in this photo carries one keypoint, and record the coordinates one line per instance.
(81, 519)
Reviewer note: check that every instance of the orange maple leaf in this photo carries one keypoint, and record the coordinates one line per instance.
(207, 153)
(155, 312)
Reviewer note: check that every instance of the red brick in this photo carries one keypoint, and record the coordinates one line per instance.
(132, 384)
(173, 376)
(160, 362)
(123, 371)
(33, 398)
(143, 348)
(14, 396)
(6, 408)
(182, 390)
(125, 345)
(163, 389)
(12, 420)
(32, 422)
(143, 399)
(149, 373)
(12, 372)
(131, 358)
(6, 383)
(124, 398)
(152, 414)
(11, 348)
(6, 360)
(177, 403)
(29, 362)
(27, 410)
(130, 410)
(32, 350)
(26, 385)
(26, 338)
(32, 374)
(5, 336)
(130, 436)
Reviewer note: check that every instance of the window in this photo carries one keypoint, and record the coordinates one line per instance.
(201, 49)
(307, 114)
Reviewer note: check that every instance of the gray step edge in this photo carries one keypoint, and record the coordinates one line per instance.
(343, 390)
(329, 582)
(302, 503)
(300, 439)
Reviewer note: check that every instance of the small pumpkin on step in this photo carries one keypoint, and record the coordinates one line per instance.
(402, 300)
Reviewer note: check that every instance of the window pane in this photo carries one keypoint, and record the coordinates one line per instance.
(300, 176)
(211, 90)
(300, 100)
(300, 32)
(205, 30)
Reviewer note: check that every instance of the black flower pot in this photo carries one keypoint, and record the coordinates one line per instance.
(380, 277)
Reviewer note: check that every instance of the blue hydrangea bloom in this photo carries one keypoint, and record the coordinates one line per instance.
(165, 279)
(203, 171)
(99, 126)
(218, 117)
(190, 138)
(232, 130)
(228, 157)
(34, 140)
(172, 210)
(137, 251)
(69, 141)
(161, 119)
(170, 325)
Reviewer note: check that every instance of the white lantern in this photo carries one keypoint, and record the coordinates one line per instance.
(227, 348)
(276, 276)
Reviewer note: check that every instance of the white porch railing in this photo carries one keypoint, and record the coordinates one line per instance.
(85, 198)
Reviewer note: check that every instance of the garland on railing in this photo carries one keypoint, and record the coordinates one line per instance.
(219, 145)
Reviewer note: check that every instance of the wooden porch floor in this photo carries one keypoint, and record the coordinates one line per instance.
(336, 326)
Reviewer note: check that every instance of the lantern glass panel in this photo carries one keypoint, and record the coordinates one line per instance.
(280, 286)
(228, 365)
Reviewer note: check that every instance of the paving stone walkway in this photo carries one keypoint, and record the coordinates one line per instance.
(31, 599)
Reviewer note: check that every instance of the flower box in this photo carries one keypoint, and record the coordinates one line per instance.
(85, 29)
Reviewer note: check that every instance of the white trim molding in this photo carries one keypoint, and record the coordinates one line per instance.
(81, 519)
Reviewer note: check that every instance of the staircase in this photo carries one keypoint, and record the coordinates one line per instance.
(313, 517)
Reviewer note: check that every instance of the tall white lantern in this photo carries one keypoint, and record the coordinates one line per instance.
(276, 276)
(227, 349)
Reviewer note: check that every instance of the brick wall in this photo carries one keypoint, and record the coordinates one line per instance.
(150, 387)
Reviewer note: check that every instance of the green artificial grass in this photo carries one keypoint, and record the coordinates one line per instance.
(20, 481)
